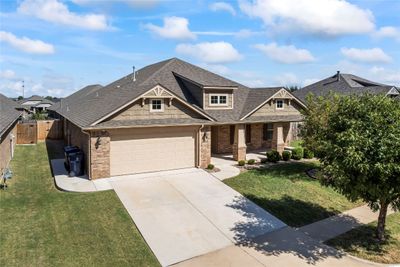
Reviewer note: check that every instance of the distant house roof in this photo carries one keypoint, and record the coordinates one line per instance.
(8, 113)
(90, 105)
(345, 84)
(35, 98)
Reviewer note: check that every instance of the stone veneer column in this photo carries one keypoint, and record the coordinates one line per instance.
(205, 146)
(99, 154)
(281, 136)
(239, 146)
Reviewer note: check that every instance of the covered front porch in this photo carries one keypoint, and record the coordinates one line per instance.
(251, 140)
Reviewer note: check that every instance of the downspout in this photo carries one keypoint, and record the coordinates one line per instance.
(199, 146)
(89, 169)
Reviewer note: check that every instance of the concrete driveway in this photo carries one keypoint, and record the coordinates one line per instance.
(186, 213)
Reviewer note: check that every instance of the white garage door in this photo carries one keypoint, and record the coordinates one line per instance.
(152, 149)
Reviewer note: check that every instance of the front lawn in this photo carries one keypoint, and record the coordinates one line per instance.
(41, 226)
(361, 243)
(288, 193)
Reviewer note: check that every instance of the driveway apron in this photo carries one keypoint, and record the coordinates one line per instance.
(187, 213)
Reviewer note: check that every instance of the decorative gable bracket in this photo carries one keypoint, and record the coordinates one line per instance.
(157, 92)
(282, 94)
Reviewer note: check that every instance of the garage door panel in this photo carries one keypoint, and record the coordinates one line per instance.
(152, 149)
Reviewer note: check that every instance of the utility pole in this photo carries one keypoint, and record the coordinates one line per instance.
(23, 89)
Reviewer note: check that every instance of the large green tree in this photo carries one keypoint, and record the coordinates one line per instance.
(357, 139)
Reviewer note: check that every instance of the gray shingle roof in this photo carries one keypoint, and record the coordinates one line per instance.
(257, 96)
(160, 122)
(93, 103)
(275, 118)
(8, 113)
(346, 84)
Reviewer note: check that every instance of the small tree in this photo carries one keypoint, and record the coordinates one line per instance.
(357, 139)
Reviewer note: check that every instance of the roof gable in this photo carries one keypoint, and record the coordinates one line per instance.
(275, 93)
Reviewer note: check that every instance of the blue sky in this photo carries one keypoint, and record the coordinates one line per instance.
(58, 47)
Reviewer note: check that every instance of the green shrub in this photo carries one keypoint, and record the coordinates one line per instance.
(297, 153)
(273, 156)
(241, 162)
(286, 155)
(251, 161)
(308, 154)
(210, 166)
(264, 160)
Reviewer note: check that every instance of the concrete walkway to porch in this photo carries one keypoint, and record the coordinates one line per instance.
(228, 166)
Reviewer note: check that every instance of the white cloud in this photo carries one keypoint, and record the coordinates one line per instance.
(309, 81)
(217, 52)
(287, 54)
(321, 17)
(25, 44)
(243, 33)
(386, 76)
(366, 55)
(11, 88)
(7, 74)
(58, 12)
(287, 79)
(173, 28)
(222, 6)
(132, 3)
(388, 32)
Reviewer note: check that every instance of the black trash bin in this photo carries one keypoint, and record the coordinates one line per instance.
(76, 163)
(67, 151)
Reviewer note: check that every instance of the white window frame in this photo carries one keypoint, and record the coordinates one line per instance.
(283, 103)
(151, 105)
(218, 104)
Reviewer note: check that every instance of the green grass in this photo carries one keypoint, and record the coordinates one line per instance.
(41, 226)
(361, 243)
(288, 193)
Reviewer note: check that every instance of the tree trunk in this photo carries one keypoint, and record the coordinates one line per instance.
(380, 230)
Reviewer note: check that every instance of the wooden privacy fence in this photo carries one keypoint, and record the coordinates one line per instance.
(32, 131)
(27, 133)
(51, 129)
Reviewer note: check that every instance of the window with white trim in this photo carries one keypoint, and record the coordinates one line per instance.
(218, 100)
(156, 105)
(279, 104)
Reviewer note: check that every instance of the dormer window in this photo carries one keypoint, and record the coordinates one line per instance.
(218, 99)
(156, 105)
(279, 104)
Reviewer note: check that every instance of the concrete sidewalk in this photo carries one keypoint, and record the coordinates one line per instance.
(76, 184)
(284, 247)
(293, 247)
(336, 225)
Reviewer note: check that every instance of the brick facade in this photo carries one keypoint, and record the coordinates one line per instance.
(99, 154)
(6, 146)
(205, 146)
(221, 139)
(74, 136)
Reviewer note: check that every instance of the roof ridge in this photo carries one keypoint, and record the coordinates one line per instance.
(157, 71)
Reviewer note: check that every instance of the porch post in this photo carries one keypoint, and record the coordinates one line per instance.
(239, 146)
(281, 136)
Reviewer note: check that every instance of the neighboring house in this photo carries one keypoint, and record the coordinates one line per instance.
(9, 116)
(173, 115)
(36, 103)
(346, 84)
